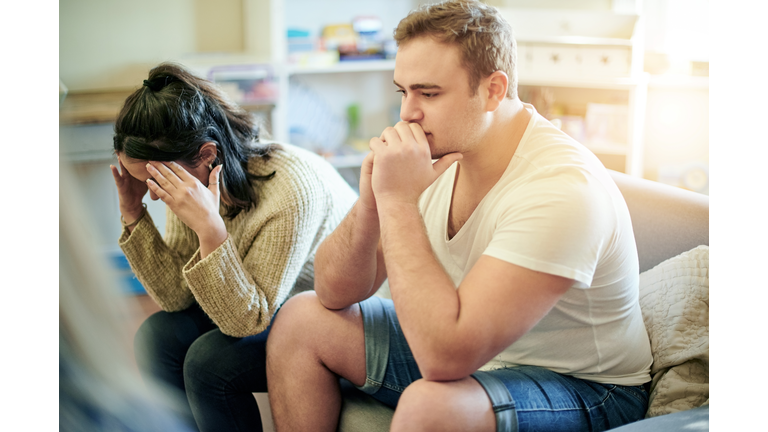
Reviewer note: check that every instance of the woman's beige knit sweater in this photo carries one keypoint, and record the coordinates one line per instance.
(267, 257)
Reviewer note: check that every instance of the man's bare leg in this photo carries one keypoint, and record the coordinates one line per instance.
(309, 346)
(444, 406)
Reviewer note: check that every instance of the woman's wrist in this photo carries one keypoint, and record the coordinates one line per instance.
(211, 238)
(131, 218)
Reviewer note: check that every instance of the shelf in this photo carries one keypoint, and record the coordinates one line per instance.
(345, 66)
(576, 40)
(601, 83)
(92, 108)
(346, 161)
(679, 82)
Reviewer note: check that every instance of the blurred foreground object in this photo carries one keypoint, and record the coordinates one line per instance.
(98, 389)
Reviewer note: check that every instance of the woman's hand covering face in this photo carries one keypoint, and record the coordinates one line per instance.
(192, 202)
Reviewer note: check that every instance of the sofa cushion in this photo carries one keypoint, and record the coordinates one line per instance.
(674, 298)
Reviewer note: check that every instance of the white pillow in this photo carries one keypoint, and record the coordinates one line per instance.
(674, 298)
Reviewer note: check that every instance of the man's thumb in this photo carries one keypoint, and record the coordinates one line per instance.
(445, 162)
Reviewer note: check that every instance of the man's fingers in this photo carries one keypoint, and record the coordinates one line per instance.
(418, 133)
(445, 162)
(391, 136)
(376, 144)
(407, 134)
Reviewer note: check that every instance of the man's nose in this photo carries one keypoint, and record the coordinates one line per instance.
(410, 111)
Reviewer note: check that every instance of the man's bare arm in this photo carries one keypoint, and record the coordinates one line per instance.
(349, 264)
(453, 332)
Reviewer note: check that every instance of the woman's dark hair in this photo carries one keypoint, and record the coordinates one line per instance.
(174, 113)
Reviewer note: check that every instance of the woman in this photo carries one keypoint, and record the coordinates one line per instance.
(244, 220)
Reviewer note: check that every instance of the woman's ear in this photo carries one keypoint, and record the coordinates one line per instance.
(208, 153)
(498, 82)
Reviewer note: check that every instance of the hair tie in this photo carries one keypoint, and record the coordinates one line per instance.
(157, 84)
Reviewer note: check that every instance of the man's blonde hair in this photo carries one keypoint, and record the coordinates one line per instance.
(484, 38)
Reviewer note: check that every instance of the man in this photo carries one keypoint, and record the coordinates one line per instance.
(513, 272)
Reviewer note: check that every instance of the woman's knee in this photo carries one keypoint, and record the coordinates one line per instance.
(204, 360)
(165, 334)
(154, 336)
(216, 362)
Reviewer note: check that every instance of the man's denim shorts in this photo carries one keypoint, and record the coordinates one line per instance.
(523, 397)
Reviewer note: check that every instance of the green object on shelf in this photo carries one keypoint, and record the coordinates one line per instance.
(354, 135)
(353, 118)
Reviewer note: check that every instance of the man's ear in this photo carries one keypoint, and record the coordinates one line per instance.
(497, 84)
(208, 153)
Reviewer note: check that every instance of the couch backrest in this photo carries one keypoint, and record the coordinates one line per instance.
(667, 220)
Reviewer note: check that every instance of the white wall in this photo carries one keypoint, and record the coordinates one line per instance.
(676, 129)
(107, 44)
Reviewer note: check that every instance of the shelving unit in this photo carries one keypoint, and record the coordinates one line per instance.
(588, 57)
(598, 52)
(368, 83)
(345, 66)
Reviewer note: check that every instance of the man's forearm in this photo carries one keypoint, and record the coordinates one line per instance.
(346, 266)
(425, 297)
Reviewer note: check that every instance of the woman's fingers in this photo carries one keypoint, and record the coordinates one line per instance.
(180, 172)
(159, 191)
(213, 180)
(164, 177)
(123, 172)
(116, 175)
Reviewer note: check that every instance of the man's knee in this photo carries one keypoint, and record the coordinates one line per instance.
(297, 319)
(418, 407)
(304, 325)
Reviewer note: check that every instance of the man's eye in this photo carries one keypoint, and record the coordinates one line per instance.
(400, 91)
(429, 95)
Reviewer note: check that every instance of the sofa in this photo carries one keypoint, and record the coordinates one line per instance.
(671, 227)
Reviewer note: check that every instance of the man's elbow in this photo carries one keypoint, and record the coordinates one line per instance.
(446, 367)
(329, 302)
(330, 298)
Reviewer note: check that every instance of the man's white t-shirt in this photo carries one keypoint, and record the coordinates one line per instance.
(556, 210)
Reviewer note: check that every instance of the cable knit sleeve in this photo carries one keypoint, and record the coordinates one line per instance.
(241, 284)
(157, 263)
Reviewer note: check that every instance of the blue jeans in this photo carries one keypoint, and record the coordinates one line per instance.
(524, 398)
(213, 374)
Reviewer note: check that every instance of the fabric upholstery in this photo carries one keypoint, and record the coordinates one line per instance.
(674, 298)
